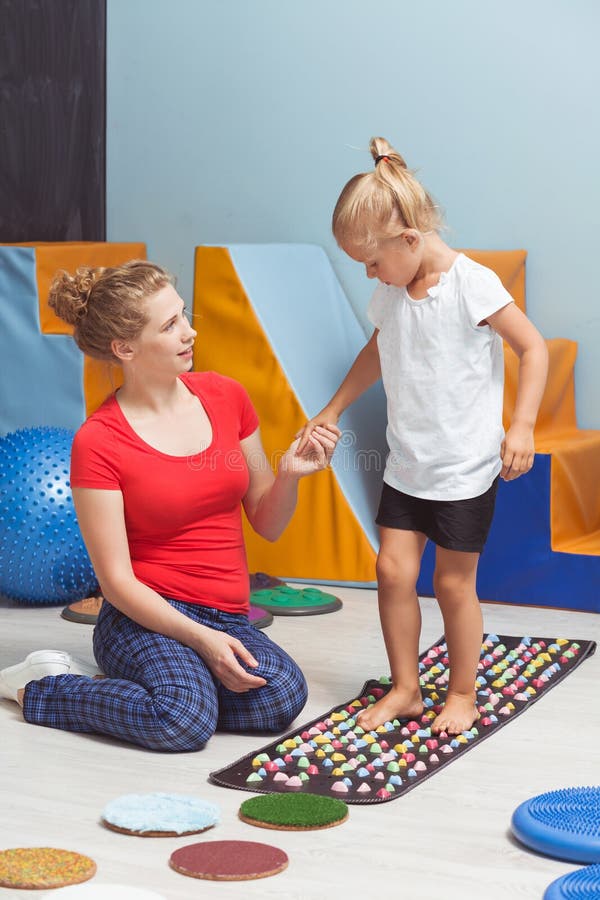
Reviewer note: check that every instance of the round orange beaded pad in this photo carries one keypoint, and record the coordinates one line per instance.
(43, 867)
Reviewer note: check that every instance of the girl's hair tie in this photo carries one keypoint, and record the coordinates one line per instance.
(379, 158)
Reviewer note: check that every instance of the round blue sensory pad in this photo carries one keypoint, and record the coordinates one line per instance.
(564, 824)
(580, 885)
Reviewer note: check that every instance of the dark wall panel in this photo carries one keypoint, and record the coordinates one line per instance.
(52, 120)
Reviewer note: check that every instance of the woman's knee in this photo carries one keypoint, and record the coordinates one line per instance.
(182, 720)
(294, 700)
(283, 697)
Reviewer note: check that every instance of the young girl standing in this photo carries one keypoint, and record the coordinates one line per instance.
(439, 322)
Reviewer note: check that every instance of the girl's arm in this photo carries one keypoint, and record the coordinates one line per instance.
(364, 372)
(270, 500)
(518, 449)
(102, 523)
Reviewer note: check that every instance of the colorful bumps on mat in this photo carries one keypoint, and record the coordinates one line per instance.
(336, 756)
(353, 759)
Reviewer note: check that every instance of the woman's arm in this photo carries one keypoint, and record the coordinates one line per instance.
(518, 449)
(102, 523)
(270, 500)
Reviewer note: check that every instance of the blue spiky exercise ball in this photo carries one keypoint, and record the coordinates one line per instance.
(42, 555)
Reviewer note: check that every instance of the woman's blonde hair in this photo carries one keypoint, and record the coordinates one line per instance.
(106, 304)
(380, 204)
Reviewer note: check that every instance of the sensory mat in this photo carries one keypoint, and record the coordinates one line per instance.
(334, 756)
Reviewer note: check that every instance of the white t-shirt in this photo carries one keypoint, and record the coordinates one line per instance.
(443, 376)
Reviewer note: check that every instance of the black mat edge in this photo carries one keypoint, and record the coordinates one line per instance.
(588, 649)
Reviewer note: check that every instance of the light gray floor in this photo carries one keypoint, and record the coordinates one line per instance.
(447, 838)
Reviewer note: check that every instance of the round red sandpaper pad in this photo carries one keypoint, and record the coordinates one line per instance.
(228, 860)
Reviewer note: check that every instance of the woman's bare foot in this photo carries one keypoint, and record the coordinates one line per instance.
(398, 703)
(459, 714)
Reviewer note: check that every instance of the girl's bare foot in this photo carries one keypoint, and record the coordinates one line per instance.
(459, 714)
(20, 695)
(398, 703)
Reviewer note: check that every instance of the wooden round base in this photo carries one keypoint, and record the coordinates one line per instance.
(150, 834)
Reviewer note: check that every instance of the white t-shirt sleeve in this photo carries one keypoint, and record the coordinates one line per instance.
(483, 295)
(378, 304)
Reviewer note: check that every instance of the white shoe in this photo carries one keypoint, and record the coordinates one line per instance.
(81, 667)
(38, 665)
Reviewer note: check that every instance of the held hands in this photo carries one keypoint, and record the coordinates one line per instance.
(312, 451)
(327, 419)
(221, 652)
(517, 452)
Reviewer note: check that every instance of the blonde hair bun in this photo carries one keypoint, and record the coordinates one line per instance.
(70, 294)
(382, 150)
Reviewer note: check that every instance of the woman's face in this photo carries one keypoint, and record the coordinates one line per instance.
(166, 341)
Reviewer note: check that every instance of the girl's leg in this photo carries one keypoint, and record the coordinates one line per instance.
(272, 707)
(454, 583)
(157, 693)
(398, 566)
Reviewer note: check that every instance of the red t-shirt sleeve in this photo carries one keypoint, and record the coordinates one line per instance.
(94, 458)
(248, 416)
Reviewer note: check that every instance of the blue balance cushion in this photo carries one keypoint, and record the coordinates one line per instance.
(580, 885)
(564, 824)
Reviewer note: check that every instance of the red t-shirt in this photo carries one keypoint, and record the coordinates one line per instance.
(182, 513)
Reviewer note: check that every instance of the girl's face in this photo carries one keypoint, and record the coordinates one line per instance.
(393, 261)
(167, 339)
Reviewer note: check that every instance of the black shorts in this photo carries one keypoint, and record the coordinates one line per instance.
(452, 524)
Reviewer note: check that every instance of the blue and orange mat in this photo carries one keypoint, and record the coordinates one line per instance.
(335, 757)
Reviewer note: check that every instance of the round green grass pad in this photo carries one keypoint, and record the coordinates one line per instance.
(293, 812)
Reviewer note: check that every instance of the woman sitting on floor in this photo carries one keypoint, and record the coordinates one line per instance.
(159, 475)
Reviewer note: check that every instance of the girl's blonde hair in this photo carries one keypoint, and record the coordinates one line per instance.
(380, 204)
(106, 304)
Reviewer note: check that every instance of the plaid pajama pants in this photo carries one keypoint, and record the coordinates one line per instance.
(160, 694)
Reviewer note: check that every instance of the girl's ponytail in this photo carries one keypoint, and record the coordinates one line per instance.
(384, 202)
